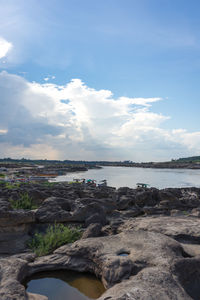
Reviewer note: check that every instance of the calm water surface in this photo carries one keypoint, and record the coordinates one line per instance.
(125, 176)
(64, 285)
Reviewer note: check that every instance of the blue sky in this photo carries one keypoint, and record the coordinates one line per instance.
(117, 51)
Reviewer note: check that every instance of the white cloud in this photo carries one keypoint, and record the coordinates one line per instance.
(35, 151)
(3, 131)
(5, 47)
(49, 77)
(77, 122)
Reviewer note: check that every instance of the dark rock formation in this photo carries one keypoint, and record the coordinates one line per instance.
(158, 230)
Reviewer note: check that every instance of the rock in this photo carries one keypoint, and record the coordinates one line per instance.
(82, 213)
(188, 273)
(123, 191)
(14, 229)
(195, 212)
(16, 217)
(93, 230)
(180, 228)
(162, 251)
(145, 198)
(150, 284)
(156, 210)
(191, 249)
(96, 218)
(12, 272)
(176, 213)
(53, 210)
(107, 204)
(5, 205)
(37, 196)
(14, 239)
(125, 202)
(131, 213)
(36, 297)
(139, 275)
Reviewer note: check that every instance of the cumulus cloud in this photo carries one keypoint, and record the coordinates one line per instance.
(74, 121)
(5, 47)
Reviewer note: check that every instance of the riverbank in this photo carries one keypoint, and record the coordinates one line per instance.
(154, 165)
(158, 230)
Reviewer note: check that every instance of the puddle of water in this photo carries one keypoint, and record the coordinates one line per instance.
(123, 254)
(63, 285)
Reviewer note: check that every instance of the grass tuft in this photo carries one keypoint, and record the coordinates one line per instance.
(11, 186)
(49, 184)
(55, 236)
(24, 202)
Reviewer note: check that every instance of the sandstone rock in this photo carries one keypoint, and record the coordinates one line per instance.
(14, 239)
(53, 210)
(16, 217)
(83, 212)
(5, 205)
(32, 296)
(180, 228)
(151, 270)
(125, 202)
(195, 212)
(93, 230)
(96, 218)
(145, 198)
(14, 228)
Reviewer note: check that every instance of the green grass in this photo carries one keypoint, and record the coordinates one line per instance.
(2, 175)
(11, 186)
(49, 184)
(55, 236)
(24, 202)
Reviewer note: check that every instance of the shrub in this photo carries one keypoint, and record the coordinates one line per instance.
(55, 236)
(24, 202)
(11, 186)
(49, 184)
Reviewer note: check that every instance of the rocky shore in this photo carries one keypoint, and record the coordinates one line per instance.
(158, 230)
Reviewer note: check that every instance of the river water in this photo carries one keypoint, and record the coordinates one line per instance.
(128, 176)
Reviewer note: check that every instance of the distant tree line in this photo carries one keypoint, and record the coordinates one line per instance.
(191, 159)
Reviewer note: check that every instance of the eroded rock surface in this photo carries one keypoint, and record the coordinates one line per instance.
(151, 270)
(157, 230)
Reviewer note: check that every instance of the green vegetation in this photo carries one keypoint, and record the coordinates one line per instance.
(55, 236)
(192, 159)
(11, 186)
(49, 184)
(24, 202)
(2, 175)
(186, 212)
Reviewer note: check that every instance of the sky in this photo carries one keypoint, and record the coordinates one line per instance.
(100, 79)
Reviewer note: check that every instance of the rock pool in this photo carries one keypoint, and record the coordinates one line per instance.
(62, 285)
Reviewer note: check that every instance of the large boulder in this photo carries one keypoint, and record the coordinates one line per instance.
(146, 197)
(82, 213)
(54, 209)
